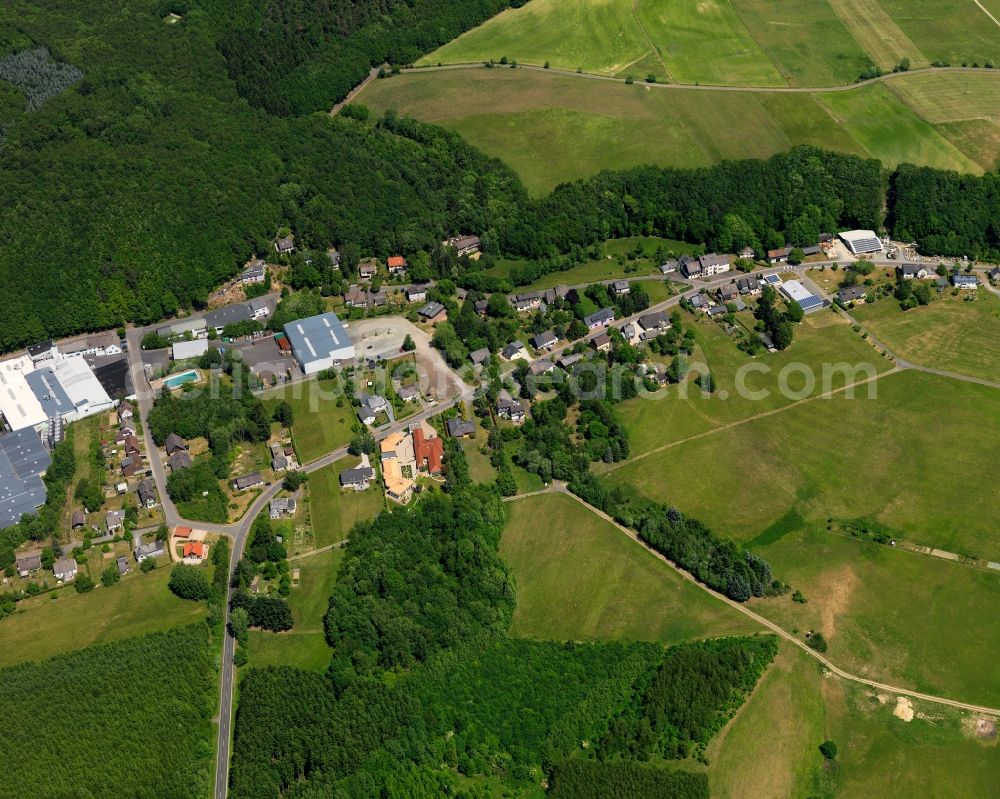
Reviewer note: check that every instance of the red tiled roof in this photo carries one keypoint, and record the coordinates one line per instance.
(428, 451)
(396, 260)
(182, 532)
(195, 548)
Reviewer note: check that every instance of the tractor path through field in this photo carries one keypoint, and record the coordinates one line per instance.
(986, 11)
(707, 87)
(320, 551)
(780, 631)
(747, 420)
(653, 49)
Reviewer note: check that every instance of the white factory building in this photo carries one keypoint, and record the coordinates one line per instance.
(32, 391)
(319, 342)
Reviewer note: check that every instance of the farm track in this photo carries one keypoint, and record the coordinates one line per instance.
(708, 87)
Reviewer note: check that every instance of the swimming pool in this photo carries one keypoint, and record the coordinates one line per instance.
(178, 380)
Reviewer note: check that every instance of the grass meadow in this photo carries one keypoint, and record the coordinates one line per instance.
(771, 746)
(732, 42)
(578, 578)
(334, 511)
(319, 425)
(63, 620)
(304, 646)
(553, 128)
(949, 334)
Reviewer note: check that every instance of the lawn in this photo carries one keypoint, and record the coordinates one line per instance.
(771, 747)
(950, 333)
(137, 604)
(334, 511)
(480, 468)
(901, 460)
(579, 578)
(305, 645)
(554, 128)
(323, 419)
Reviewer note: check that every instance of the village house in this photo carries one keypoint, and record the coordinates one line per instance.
(511, 410)
(282, 507)
(460, 428)
(620, 288)
(408, 393)
(714, 264)
(79, 519)
(396, 264)
(434, 312)
(64, 569)
(912, 271)
(778, 255)
(114, 520)
(356, 479)
(368, 268)
(540, 367)
(285, 245)
(480, 356)
(748, 253)
(146, 494)
(416, 294)
(601, 342)
(994, 274)
(668, 267)
(699, 302)
(601, 318)
(965, 281)
(856, 294)
(248, 481)
(174, 444)
(544, 341)
(179, 460)
(727, 293)
(122, 563)
(464, 245)
(566, 361)
(151, 550)
(194, 551)
(748, 286)
(657, 320)
(427, 452)
(254, 273)
(514, 351)
(26, 564)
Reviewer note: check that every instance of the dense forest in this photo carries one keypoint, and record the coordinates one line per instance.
(161, 179)
(425, 696)
(132, 717)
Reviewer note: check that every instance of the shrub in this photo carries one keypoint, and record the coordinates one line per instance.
(189, 582)
(828, 749)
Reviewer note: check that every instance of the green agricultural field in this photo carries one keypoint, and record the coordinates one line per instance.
(668, 416)
(953, 31)
(890, 131)
(334, 511)
(910, 452)
(553, 128)
(304, 646)
(771, 747)
(949, 334)
(681, 29)
(788, 31)
(884, 41)
(319, 424)
(593, 35)
(139, 603)
(579, 578)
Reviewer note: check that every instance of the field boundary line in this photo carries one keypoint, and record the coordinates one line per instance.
(652, 47)
(782, 633)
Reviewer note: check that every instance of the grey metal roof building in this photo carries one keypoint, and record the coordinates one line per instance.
(49, 391)
(319, 342)
(23, 460)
